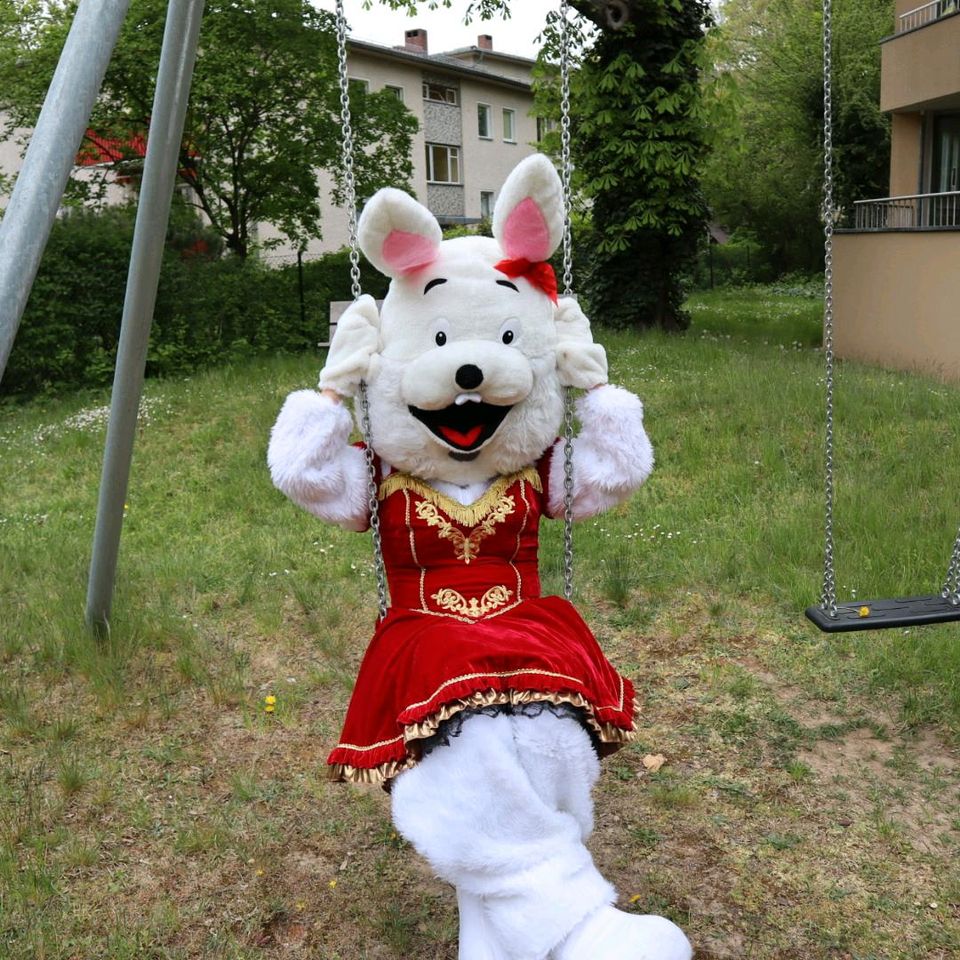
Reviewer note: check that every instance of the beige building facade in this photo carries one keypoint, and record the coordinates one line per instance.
(897, 270)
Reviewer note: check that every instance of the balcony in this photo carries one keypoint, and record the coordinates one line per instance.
(921, 16)
(920, 68)
(919, 211)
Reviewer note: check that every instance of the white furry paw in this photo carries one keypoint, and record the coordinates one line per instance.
(580, 362)
(610, 934)
(355, 342)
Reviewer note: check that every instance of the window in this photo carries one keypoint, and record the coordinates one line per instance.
(440, 93)
(509, 123)
(484, 121)
(443, 163)
(545, 126)
(357, 84)
(396, 91)
(486, 204)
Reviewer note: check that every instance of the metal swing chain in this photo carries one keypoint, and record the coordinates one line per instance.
(350, 197)
(951, 586)
(828, 598)
(566, 171)
(346, 150)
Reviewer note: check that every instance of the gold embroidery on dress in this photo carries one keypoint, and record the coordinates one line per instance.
(450, 599)
(469, 515)
(466, 546)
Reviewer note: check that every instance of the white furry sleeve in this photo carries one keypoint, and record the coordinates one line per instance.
(312, 462)
(612, 455)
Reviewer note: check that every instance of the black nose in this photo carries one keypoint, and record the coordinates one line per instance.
(469, 376)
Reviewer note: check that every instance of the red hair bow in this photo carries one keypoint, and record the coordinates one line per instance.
(538, 272)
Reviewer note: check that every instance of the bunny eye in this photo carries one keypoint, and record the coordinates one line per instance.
(507, 336)
(509, 331)
(440, 331)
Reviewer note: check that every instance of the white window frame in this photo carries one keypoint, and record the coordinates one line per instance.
(453, 99)
(512, 114)
(487, 109)
(453, 158)
(395, 89)
(489, 211)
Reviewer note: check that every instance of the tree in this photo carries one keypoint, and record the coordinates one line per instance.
(639, 142)
(263, 115)
(765, 175)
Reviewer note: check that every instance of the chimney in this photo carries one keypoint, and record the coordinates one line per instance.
(485, 41)
(415, 41)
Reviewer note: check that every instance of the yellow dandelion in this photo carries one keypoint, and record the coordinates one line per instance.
(259, 872)
(864, 611)
(301, 905)
(636, 897)
(332, 884)
(269, 703)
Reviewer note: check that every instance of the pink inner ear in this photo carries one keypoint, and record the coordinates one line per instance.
(406, 252)
(525, 234)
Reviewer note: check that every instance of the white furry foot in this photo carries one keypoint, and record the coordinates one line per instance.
(477, 940)
(609, 934)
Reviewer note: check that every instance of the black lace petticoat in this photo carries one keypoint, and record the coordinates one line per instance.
(451, 728)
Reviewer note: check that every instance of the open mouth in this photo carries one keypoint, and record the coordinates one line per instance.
(463, 426)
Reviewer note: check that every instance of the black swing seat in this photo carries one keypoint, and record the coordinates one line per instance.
(883, 614)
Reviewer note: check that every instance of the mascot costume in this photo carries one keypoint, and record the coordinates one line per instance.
(482, 705)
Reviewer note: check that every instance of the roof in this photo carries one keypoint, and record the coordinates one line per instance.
(483, 54)
(97, 149)
(439, 61)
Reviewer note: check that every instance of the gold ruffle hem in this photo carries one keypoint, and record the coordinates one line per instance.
(610, 737)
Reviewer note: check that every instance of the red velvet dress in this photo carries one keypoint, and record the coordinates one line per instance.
(467, 628)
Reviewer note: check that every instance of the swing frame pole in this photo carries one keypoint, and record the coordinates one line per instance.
(177, 58)
(51, 156)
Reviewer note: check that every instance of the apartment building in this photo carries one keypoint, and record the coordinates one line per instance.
(474, 108)
(474, 111)
(897, 269)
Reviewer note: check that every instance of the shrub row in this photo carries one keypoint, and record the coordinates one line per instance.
(209, 309)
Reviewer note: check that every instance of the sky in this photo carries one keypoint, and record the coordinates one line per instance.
(445, 28)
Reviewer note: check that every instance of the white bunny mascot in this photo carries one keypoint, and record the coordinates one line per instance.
(481, 704)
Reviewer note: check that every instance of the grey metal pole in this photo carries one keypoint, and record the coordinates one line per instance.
(177, 58)
(51, 155)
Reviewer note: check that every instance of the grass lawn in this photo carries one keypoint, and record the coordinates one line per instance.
(809, 805)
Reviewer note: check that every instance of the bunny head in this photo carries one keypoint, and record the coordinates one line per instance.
(465, 385)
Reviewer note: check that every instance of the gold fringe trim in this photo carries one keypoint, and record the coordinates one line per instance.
(374, 776)
(468, 515)
(611, 737)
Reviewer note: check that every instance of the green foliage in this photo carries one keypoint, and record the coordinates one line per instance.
(766, 171)
(208, 309)
(263, 116)
(638, 145)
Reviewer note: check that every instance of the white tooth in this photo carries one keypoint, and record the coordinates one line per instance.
(467, 398)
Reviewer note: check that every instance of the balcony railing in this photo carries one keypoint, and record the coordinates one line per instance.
(921, 16)
(921, 211)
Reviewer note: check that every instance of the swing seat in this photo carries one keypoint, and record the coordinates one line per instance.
(883, 614)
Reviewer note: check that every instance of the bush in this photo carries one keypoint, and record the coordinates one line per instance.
(209, 309)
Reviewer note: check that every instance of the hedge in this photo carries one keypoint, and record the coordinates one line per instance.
(210, 309)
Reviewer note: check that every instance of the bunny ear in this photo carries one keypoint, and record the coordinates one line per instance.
(528, 217)
(396, 234)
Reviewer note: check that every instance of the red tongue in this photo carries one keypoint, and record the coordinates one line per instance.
(459, 439)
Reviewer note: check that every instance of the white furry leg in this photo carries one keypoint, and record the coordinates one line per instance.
(477, 939)
(473, 812)
(609, 934)
(561, 763)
